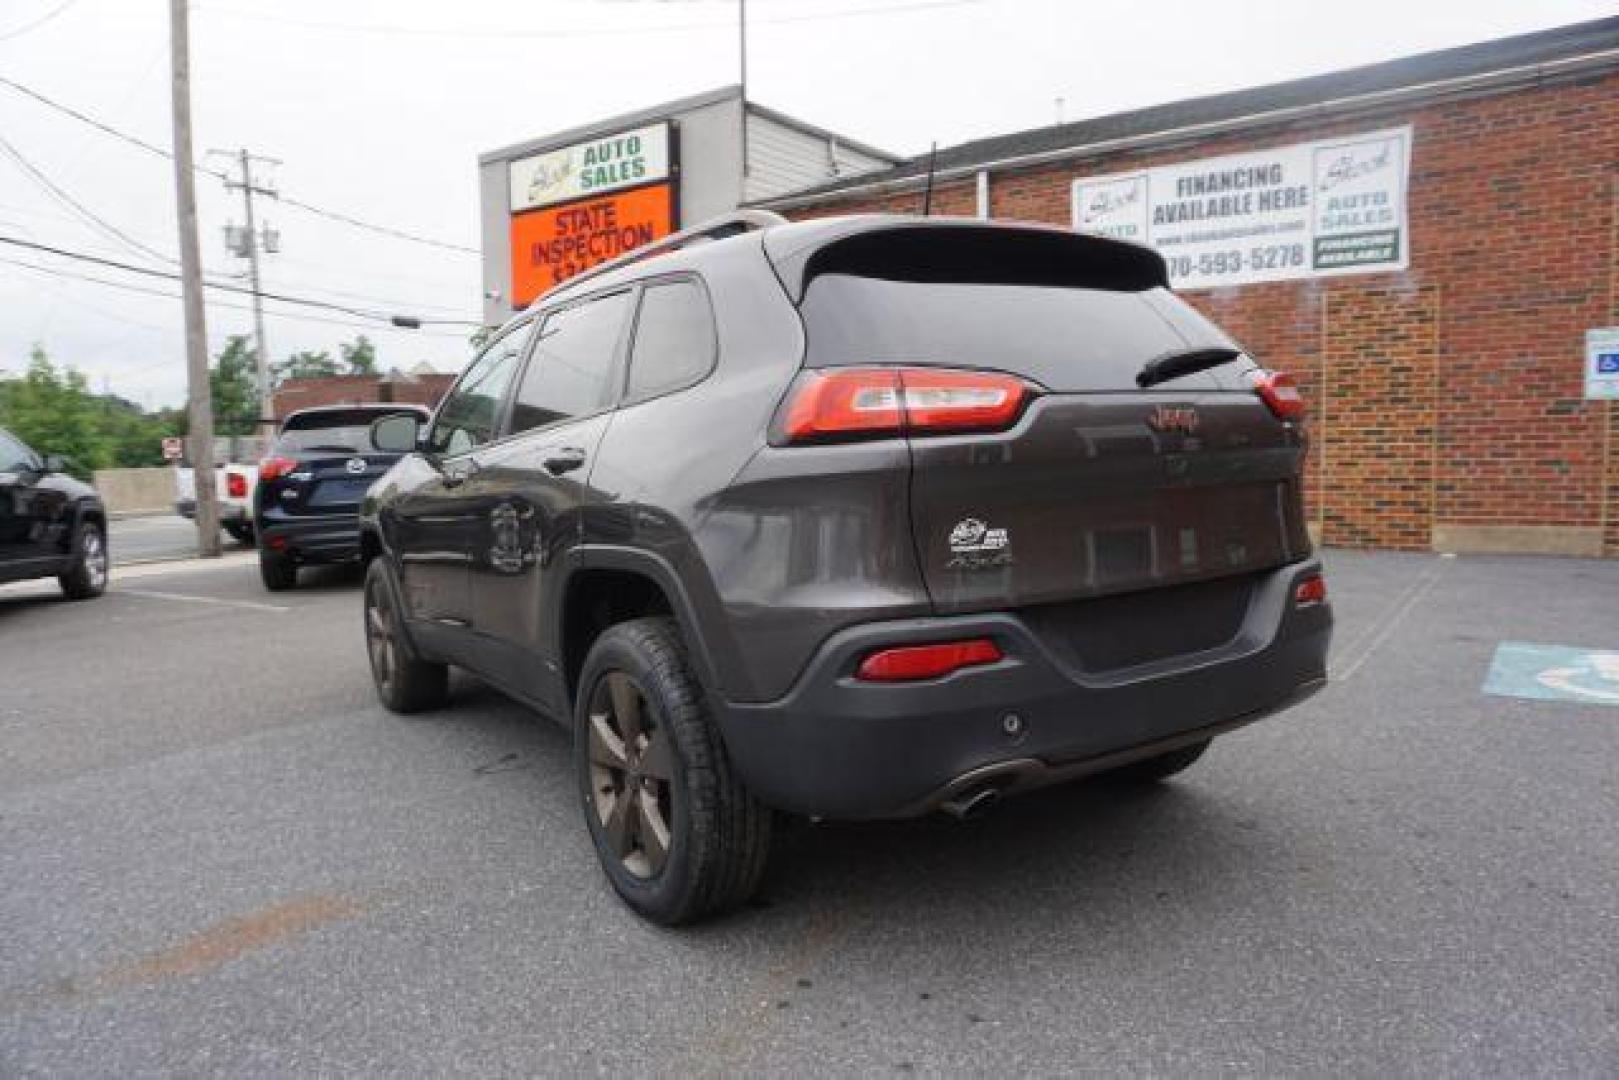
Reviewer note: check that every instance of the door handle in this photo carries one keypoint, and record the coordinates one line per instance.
(565, 460)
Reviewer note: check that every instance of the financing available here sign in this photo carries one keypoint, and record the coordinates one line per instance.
(1335, 206)
(611, 163)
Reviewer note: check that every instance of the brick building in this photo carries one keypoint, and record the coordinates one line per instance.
(416, 387)
(1447, 391)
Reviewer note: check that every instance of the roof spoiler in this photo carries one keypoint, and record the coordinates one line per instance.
(717, 228)
(960, 251)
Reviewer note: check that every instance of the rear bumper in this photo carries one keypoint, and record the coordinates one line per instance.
(835, 747)
(316, 538)
(187, 508)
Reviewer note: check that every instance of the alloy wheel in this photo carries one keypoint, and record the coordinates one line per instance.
(632, 767)
(95, 558)
(379, 635)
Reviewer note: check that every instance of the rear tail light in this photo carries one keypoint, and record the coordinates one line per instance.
(911, 662)
(272, 468)
(874, 402)
(236, 485)
(1312, 590)
(1279, 391)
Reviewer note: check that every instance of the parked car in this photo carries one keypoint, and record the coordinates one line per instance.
(857, 518)
(233, 491)
(51, 525)
(307, 497)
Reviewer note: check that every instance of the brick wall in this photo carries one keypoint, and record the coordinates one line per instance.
(1453, 412)
(295, 394)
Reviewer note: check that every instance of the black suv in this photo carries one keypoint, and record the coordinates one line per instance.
(51, 525)
(855, 518)
(307, 499)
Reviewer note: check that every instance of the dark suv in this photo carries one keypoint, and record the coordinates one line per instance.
(51, 525)
(856, 518)
(307, 499)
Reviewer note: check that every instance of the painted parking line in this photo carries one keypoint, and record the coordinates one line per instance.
(249, 605)
(1524, 669)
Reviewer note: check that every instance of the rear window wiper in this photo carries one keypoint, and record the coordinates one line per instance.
(1178, 362)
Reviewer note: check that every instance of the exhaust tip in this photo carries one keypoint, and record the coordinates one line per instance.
(971, 803)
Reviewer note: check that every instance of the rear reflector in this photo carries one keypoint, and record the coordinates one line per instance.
(236, 485)
(1312, 590)
(272, 468)
(1281, 393)
(926, 661)
(873, 402)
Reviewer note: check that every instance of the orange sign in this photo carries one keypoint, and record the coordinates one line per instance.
(552, 245)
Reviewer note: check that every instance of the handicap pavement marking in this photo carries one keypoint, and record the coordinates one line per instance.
(1524, 669)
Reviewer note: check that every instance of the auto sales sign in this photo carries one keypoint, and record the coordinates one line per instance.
(1336, 206)
(612, 163)
(583, 204)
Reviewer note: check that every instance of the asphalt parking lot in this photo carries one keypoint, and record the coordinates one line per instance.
(218, 854)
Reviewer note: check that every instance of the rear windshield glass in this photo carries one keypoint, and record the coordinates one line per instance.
(1064, 338)
(344, 431)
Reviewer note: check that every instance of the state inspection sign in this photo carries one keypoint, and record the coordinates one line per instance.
(1335, 206)
(552, 245)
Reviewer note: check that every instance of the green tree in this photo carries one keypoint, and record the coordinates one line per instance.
(305, 365)
(360, 357)
(234, 385)
(55, 413)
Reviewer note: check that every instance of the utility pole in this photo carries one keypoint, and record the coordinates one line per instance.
(247, 243)
(199, 400)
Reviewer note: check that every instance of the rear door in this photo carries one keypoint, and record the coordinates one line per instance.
(528, 492)
(1100, 487)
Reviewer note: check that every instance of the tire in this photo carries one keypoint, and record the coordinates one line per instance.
(405, 682)
(1162, 767)
(86, 577)
(278, 572)
(240, 531)
(684, 795)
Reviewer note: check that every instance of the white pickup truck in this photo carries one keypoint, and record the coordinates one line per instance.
(233, 486)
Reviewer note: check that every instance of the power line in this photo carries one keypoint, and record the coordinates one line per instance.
(223, 286)
(41, 21)
(151, 148)
(83, 211)
(57, 271)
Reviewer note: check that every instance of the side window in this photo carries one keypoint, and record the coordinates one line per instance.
(674, 339)
(571, 372)
(468, 416)
(14, 456)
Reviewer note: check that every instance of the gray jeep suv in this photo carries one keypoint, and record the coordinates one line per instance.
(855, 518)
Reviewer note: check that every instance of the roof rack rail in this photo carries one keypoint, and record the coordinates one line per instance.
(716, 228)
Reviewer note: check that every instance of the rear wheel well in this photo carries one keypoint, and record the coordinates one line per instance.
(596, 600)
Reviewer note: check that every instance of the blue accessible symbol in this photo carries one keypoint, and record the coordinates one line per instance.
(1554, 673)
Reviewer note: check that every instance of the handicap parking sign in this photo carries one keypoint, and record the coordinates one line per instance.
(1524, 669)
(1602, 364)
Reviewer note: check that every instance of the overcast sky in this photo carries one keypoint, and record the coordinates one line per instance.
(379, 110)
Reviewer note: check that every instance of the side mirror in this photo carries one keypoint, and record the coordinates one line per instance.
(57, 463)
(397, 433)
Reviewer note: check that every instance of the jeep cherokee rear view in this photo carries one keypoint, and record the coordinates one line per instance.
(858, 518)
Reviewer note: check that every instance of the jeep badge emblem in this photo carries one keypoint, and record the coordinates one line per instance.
(1167, 418)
